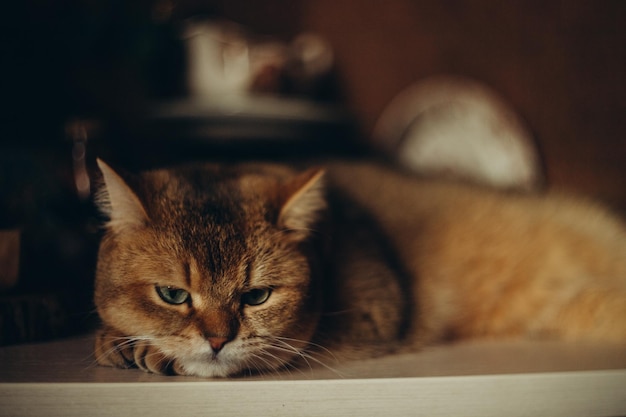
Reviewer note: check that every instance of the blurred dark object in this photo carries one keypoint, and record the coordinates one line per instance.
(9, 258)
(51, 293)
(231, 129)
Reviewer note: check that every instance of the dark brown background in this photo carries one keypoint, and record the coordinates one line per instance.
(562, 64)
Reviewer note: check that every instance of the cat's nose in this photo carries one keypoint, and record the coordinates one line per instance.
(217, 343)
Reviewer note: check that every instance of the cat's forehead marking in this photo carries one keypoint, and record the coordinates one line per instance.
(212, 289)
(190, 269)
(215, 217)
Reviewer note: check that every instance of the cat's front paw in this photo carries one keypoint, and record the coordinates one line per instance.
(150, 359)
(118, 351)
(113, 349)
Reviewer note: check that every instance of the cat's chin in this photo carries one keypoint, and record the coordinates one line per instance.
(198, 359)
(216, 368)
(203, 363)
(209, 369)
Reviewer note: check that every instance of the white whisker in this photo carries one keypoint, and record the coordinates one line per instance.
(315, 345)
(269, 366)
(305, 356)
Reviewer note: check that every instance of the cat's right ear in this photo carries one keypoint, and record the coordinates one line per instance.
(118, 201)
(303, 201)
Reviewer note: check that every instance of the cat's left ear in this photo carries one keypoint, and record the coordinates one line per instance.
(303, 202)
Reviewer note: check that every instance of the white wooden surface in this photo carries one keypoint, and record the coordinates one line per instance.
(471, 379)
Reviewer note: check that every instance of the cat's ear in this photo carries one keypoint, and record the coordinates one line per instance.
(303, 202)
(118, 201)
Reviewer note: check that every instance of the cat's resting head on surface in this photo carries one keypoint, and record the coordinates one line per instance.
(212, 264)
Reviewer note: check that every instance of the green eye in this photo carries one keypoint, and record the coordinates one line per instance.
(172, 295)
(256, 297)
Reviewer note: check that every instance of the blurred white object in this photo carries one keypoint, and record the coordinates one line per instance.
(217, 58)
(313, 55)
(223, 60)
(458, 127)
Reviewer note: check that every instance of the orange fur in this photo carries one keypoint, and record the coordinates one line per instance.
(490, 264)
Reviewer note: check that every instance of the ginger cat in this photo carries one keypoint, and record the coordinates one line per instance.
(219, 270)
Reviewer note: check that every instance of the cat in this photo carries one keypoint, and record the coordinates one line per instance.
(219, 270)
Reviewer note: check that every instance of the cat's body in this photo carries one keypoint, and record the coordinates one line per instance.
(276, 267)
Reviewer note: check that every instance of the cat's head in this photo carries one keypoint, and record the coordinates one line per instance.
(212, 264)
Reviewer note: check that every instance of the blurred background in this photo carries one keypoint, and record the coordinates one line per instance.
(119, 80)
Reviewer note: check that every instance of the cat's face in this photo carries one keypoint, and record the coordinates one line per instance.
(210, 266)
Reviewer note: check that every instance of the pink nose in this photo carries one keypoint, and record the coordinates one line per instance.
(217, 343)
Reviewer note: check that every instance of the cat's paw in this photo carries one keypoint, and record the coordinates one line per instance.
(113, 349)
(118, 351)
(150, 359)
